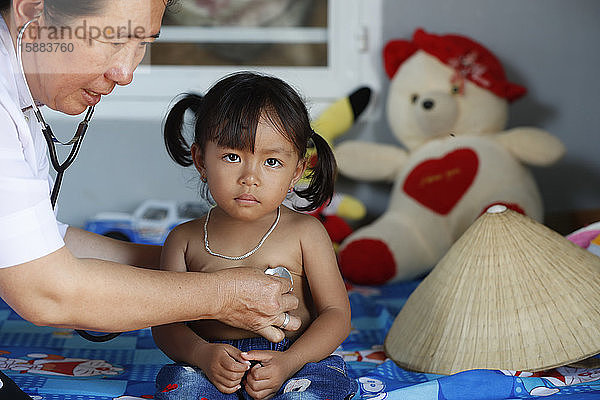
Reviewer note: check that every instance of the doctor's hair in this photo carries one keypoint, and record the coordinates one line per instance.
(229, 114)
(65, 10)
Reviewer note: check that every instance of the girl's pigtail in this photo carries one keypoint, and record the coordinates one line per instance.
(177, 147)
(322, 176)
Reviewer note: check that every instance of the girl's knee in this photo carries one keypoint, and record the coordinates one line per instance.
(176, 372)
(327, 379)
(177, 381)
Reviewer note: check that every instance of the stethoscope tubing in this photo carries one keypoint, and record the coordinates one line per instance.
(59, 167)
(51, 139)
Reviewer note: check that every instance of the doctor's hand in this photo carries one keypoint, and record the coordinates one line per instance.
(256, 302)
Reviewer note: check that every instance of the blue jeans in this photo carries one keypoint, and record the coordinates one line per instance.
(327, 379)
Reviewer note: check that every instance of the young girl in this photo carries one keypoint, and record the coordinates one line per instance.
(250, 139)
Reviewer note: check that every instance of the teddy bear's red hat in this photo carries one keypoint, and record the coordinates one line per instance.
(470, 59)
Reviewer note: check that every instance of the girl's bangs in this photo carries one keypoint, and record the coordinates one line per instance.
(237, 129)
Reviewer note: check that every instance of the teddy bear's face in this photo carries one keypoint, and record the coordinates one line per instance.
(427, 100)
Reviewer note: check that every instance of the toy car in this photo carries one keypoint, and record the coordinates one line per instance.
(150, 223)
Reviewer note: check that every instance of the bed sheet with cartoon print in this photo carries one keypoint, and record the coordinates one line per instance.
(57, 364)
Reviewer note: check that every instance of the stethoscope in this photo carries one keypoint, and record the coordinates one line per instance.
(60, 168)
(51, 140)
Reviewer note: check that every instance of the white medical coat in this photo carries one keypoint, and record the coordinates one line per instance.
(28, 225)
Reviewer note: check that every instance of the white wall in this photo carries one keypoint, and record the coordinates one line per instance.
(549, 46)
(121, 163)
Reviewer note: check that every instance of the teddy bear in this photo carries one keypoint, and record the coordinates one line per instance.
(448, 106)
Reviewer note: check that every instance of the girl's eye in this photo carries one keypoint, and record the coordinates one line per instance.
(232, 158)
(272, 162)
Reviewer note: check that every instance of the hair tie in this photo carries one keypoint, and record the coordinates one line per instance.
(310, 142)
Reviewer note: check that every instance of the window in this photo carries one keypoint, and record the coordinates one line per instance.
(324, 48)
(284, 33)
(155, 214)
(191, 210)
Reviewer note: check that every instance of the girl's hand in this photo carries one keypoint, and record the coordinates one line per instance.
(264, 379)
(224, 366)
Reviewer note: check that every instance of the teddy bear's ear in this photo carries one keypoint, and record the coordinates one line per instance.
(395, 53)
(512, 91)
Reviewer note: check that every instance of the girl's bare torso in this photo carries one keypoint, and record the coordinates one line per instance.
(282, 248)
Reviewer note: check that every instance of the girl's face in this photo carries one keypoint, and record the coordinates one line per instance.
(250, 185)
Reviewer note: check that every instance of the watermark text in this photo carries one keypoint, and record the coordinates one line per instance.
(87, 31)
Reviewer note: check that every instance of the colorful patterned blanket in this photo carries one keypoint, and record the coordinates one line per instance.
(55, 364)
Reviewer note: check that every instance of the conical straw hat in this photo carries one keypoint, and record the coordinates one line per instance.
(509, 294)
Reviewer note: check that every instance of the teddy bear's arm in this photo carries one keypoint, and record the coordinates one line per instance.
(532, 146)
(369, 161)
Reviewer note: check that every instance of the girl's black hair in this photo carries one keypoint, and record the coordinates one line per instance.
(228, 115)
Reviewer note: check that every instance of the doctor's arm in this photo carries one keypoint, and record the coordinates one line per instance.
(62, 290)
(84, 244)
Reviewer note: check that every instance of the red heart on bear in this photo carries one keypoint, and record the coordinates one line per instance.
(440, 183)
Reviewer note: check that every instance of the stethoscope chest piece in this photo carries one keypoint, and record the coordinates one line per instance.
(281, 272)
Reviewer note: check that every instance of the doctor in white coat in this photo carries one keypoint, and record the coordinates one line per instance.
(55, 275)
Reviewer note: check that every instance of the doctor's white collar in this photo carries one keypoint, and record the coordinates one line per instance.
(7, 50)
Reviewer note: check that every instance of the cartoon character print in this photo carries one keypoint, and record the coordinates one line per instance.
(56, 365)
(547, 383)
(372, 389)
(374, 355)
(296, 385)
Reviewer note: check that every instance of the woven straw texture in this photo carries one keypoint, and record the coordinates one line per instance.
(510, 294)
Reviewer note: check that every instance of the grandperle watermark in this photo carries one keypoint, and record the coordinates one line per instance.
(61, 38)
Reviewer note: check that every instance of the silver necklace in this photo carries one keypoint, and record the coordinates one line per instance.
(248, 254)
